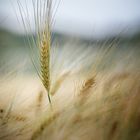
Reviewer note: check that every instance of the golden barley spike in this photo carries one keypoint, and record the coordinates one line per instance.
(45, 52)
(43, 23)
(45, 65)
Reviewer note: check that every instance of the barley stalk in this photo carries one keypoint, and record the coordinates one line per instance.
(43, 125)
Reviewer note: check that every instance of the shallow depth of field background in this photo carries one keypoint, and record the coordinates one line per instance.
(86, 21)
(94, 87)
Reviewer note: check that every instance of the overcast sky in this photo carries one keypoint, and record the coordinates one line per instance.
(87, 18)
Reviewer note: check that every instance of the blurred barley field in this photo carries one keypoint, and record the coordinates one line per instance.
(60, 81)
(95, 91)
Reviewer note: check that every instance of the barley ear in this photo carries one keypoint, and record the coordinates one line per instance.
(88, 84)
(45, 64)
(45, 51)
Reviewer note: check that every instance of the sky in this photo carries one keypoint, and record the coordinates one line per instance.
(85, 18)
